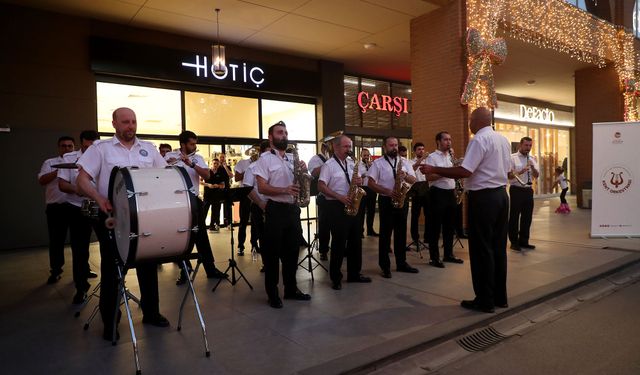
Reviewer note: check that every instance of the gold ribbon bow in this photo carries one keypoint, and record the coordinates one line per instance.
(482, 54)
(631, 92)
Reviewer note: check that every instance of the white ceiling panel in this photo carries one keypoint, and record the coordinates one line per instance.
(314, 31)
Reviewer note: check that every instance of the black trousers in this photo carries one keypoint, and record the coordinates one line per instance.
(457, 220)
(488, 212)
(282, 231)
(392, 220)
(147, 279)
(419, 203)
(563, 195)
(520, 214)
(58, 225)
(368, 209)
(346, 241)
(214, 205)
(80, 232)
(257, 226)
(441, 214)
(245, 213)
(324, 234)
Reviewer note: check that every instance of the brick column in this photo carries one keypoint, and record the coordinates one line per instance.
(598, 99)
(438, 72)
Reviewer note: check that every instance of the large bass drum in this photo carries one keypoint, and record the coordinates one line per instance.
(154, 213)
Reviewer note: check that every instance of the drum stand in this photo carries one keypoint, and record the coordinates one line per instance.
(233, 266)
(456, 240)
(311, 246)
(125, 296)
(96, 293)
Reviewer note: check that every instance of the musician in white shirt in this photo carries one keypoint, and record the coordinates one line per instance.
(381, 179)
(486, 166)
(96, 164)
(420, 198)
(245, 204)
(368, 204)
(315, 165)
(57, 217)
(524, 169)
(79, 225)
(336, 177)
(188, 158)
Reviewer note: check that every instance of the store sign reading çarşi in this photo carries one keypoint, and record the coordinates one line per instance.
(235, 72)
(530, 113)
(377, 102)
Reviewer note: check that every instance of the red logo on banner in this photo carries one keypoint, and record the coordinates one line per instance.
(377, 102)
(616, 180)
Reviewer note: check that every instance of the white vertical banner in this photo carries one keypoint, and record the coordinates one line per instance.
(616, 180)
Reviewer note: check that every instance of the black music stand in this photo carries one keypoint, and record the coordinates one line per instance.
(311, 246)
(234, 195)
(419, 190)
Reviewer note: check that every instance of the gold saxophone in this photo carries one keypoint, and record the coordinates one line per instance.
(303, 180)
(400, 187)
(355, 194)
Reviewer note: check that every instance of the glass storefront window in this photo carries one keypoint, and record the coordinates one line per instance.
(221, 115)
(299, 117)
(158, 111)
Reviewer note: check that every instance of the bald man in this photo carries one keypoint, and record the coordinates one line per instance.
(486, 164)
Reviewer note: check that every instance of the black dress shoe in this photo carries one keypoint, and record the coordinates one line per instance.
(452, 260)
(53, 278)
(216, 274)
(359, 279)
(373, 233)
(436, 263)
(515, 247)
(276, 302)
(386, 274)
(181, 280)
(336, 286)
(241, 252)
(298, 296)
(92, 275)
(323, 256)
(502, 305)
(156, 320)
(407, 268)
(527, 246)
(108, 335)
(473, 305)
(79, 297)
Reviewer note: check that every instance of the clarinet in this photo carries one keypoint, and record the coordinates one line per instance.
(529, 172)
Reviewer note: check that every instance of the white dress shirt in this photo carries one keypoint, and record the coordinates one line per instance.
(70, 175)
(277, 172)
(193, 174)
(518, 162)
(241, 166)
(333, 175)
(250, 180)
(52, 193)
(488, 158)
(102, 156)
(441, 159)
(381, 171)
(420, 177)
(315, 162)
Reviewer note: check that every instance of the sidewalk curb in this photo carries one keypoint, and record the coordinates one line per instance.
(374, 357)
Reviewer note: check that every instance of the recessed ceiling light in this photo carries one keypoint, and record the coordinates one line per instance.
(531, 82)
(370, 46)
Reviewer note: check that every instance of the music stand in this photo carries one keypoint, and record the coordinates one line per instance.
(311, 246)
(419, 190)
(234, 195)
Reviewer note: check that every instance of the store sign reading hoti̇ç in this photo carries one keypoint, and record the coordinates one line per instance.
(387, 103)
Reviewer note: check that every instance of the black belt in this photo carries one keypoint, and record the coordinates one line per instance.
(487, 190)
(521, 187)
(435, 188)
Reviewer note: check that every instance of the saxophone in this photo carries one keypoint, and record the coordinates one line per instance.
(355, 194)
(401, 187)
(459, 189)
(303, 180)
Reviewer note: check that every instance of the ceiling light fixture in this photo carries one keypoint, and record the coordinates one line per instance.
(217, 52)
(531, 82)
(370, 46)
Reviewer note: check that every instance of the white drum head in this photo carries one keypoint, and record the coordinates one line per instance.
(122, 216)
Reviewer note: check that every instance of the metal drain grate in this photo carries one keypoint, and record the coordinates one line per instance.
(481, 340)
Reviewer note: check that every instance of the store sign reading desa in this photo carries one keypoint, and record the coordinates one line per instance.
(387, 103)
(530, 113)
(235, 72)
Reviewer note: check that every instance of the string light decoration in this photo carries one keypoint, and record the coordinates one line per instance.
(557, 25)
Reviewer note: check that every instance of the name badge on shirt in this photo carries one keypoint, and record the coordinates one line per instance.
(144, 152)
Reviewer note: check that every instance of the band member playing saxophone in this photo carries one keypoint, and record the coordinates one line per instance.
(420, 200)
(368, 205)
(442, 203)
(275, 176)
(337, 177)
(382, 179)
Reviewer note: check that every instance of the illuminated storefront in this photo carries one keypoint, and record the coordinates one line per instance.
(549, 126)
